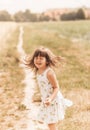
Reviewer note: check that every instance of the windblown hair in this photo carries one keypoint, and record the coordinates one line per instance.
(51, 59)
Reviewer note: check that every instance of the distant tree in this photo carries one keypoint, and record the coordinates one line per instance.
(68, 16)
(5, 16)
(19, 17)
(29, 17)
(80, 14)
(44, 17)
(34, 17)
(73, 15)
(64, 17)
(41, 17)
(26, 16)
(54, 19)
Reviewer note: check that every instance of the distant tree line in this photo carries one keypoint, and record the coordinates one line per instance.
(27, 16)
(5, 16)
(80, 14)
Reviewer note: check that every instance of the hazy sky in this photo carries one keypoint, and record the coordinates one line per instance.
(13, 6)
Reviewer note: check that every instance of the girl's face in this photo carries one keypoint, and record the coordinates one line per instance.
(40, 62)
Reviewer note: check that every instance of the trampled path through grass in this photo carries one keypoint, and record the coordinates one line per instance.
(32, 109)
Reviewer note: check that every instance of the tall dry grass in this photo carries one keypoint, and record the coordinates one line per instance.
(70, 40)
(11, 76)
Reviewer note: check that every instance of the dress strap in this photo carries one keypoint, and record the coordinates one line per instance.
(47, 70)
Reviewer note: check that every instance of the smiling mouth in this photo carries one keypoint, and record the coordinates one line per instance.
(38, 63)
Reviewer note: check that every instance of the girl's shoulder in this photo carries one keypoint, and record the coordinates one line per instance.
(51, 76)
(49, 71)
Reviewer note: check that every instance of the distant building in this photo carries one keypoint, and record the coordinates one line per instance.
(87, 13)
(56, 13)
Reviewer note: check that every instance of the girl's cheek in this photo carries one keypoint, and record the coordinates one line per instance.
(34, 61)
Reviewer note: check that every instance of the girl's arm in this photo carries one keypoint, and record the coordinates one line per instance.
(52, 79)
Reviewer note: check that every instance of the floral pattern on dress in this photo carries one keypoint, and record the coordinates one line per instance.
(56, 110)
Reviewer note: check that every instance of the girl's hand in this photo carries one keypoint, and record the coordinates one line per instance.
(47, 101)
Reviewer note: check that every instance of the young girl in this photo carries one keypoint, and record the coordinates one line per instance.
(53, 104)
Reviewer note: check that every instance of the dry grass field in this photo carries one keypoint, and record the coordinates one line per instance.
(12, 115)
(68, 39)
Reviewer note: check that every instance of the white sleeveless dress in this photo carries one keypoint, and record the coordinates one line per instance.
(56, 110)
